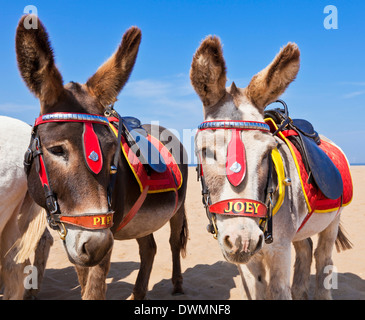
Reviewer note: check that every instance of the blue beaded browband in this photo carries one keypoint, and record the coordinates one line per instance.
(239, 125)
(71, 117)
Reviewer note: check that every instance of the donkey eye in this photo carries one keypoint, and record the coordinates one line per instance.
(208, 153)
(57, 151)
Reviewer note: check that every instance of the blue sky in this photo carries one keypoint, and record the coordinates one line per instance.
(329, 90)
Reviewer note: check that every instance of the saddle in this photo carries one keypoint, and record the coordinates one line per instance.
(152, 164)
(322, 172)
(136, 136)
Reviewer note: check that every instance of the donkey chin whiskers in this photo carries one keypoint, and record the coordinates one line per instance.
(240, 258)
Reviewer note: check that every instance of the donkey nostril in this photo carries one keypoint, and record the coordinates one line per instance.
(84, 249)
(227, 242)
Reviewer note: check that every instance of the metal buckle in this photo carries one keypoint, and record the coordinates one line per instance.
(37, 143)
(62, 233)
(58, 226)
(268, 221)
(55, 207)
(113, 169)
(215, 233)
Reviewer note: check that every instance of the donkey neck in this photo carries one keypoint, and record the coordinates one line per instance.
(126, 192)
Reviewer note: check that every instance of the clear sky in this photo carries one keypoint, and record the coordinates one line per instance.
(329, 90)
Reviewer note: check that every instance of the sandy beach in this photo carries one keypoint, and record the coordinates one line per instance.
(206, 274)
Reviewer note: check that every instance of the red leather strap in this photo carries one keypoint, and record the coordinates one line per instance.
(42, 172)
(132, 212)
(92, 150)
(90, 221)
(288, 133)
(239, 207)
(236, 159)
(138, 204)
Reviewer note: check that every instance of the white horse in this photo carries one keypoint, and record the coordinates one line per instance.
(22, 222)
(240, 237)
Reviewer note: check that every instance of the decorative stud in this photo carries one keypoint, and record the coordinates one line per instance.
(235, 167)
(113, 169)
(93, 156)
(287, 182)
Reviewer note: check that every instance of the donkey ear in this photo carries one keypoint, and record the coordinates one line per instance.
(208, 71)
(111, 77)
(36, 63)
(266, 86)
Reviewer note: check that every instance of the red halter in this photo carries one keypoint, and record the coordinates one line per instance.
(235, 171)
(94, 160)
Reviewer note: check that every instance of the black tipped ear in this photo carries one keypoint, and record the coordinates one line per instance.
(36, 62)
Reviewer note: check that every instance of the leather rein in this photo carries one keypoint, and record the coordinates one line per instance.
(238, 207)
(94, 161)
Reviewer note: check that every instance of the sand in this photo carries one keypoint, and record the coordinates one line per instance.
(206, 274)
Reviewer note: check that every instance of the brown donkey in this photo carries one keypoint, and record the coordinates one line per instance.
(73, 185)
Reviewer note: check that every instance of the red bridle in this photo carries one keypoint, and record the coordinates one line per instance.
(235, 172)
(94, 160)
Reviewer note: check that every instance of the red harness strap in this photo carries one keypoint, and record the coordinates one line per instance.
(240, 207)
(42, 171)
(236, 159)
(90, 221)
(137, 205)
(133, 211)
(92, 150)
(153, 182)
(94, 161)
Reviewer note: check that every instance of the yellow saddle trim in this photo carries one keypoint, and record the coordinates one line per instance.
(281, 136)
(279, 167)
(271, 121)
